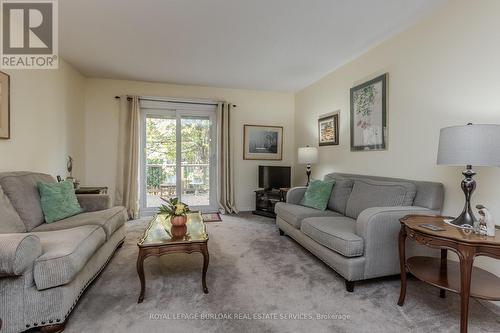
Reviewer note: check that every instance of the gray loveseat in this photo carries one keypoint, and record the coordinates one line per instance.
(357, 235)
(45, 268)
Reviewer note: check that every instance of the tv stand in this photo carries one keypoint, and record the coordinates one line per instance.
(265, 200)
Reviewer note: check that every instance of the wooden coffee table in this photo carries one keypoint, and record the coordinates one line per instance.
(162, 238)
(462, 277)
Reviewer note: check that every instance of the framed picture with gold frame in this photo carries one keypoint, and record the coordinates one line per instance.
(262, 142)
(328, 129)
(4, 106)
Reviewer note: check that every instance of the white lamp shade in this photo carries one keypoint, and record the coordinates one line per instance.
(308, 155)
(476, 145)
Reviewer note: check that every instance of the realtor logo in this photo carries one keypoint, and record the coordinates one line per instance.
(29, 34)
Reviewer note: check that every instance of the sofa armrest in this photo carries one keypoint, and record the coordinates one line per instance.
(93, 202)
(379, 227)
(295, 194)
(18, 252)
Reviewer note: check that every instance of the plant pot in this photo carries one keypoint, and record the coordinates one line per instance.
(178, 232)
(178, 220)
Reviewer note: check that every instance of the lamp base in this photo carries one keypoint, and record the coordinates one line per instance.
(308, 173)
(466, 218)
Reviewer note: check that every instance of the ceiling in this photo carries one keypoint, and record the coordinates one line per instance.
(282, 45)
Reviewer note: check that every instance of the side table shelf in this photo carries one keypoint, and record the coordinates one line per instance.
(484, 284)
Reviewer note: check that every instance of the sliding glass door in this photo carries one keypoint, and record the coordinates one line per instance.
(178, 155)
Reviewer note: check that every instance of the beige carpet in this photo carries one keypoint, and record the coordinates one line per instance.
(257, 279)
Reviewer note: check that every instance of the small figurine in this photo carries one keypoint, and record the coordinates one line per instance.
(487, 223)
(69, 166)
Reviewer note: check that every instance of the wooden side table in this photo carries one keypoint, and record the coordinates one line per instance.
(92, 190)
(462, 277)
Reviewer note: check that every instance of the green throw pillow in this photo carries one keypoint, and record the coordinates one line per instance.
(58, 200)
(317, 194)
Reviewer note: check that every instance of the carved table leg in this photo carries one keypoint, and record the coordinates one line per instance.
(444, 269)
(402, 264)
(206, 258)
(140, 272)
(466, 256)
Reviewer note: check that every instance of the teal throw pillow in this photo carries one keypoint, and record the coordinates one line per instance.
(58, 200)
(317, 194)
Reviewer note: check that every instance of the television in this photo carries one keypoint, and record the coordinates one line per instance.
(274, 177)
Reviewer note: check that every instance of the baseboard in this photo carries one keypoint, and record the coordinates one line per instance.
(245, 209)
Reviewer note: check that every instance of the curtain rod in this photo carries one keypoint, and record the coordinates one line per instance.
(164, 100)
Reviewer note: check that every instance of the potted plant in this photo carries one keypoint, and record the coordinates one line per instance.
(176, 210)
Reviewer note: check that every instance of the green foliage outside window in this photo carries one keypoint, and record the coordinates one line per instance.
(161, 151)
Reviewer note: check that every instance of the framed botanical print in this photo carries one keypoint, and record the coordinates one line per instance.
(369, 115)
(262, 142)
(328, 129)
(4, 106)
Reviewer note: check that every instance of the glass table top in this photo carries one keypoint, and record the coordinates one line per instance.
(161, 232)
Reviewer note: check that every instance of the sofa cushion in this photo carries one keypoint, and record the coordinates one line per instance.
(109, 219)
(10, 222)
(58, 200)
(336, 233)
(317, 194)
(65, 253)
(294, 214)
(22, 191)
(340, 193)
(368, 193)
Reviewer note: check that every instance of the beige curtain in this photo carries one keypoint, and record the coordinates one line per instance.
(225, 158)
(127, 176)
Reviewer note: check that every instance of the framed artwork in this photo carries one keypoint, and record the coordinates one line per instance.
(369, 115)
(4, 106)
(328, 129)
(262, 142)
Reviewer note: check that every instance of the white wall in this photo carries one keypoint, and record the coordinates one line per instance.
(444, 71)
(253, 107)
(46, 121)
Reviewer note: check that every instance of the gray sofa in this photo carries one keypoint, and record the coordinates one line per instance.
(357, 235)
(45, 268)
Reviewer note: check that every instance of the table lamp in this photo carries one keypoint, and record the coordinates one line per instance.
(469, 145)
(308, 155)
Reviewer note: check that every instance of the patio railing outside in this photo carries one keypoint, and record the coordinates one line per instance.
(161, 182)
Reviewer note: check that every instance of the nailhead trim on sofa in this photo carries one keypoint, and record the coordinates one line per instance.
(81, 291)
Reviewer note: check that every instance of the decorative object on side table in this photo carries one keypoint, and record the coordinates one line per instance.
(176, 210)
(369, 115)
(486, 223)
(262, 142)
(461, 278)
(328, 129)
(469, 145)
(4, 106)
(308, 155)
(69, 167)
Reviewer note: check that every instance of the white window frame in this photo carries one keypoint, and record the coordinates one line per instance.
(178, 110)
